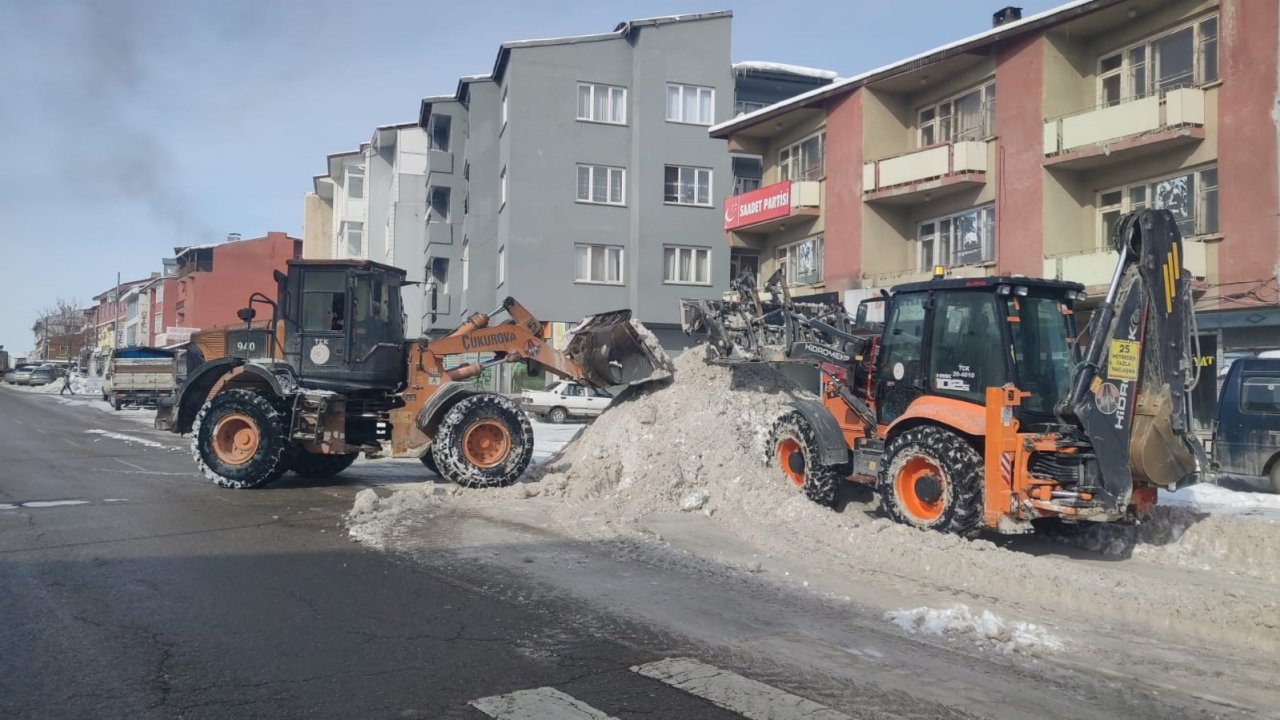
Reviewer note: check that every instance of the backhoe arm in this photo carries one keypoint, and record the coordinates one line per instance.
(1131, 392)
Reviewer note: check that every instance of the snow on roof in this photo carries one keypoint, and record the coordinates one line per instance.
(826, 90)
(763, 66)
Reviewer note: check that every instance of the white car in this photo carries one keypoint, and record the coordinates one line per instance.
(564, 400)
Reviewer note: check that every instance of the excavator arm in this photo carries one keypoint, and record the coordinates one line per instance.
(1130, 395)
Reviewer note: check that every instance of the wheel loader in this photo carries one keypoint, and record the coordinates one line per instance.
(331, 376)
(974, 405)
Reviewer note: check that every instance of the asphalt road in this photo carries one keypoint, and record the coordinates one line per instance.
(130, 587)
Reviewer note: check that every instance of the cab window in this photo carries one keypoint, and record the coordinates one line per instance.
(324, 301)
(965, 351)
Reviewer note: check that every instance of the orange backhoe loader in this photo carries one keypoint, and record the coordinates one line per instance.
(332, 376)
(974, 404)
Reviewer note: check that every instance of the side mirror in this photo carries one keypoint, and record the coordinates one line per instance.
(246, 314)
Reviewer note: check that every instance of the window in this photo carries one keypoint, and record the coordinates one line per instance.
(324, 301)
(740, 262)
(742, 107)
(687, 185)
(598, 264)
(1192, 197)
(439, 204)
(801, 262)
(440, 275)
(600, 184)
(353, 238)
(502, 265)
(504, 108)
(502, 188)
(687, 265)
(805, 160)
(965, 350)
(1184, 57)
(967, 116)
(438, 131)
(602, 103)
(466, 263)
(1260, 394)
(571, 390)
(690, 104)
(966, 238)
(745, 184)
(746, 174)
(355, 183)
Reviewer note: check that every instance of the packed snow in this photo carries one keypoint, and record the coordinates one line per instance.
(694, 448)
(131, 439)
(986, 628)
(763, 66)
(1223, 501)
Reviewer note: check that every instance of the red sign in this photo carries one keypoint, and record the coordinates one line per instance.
(766, 203)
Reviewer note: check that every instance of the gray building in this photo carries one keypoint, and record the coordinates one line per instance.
(578, 176)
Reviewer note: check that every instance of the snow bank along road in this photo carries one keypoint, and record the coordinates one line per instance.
(1175, 617)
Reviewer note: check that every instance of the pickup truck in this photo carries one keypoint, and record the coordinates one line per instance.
(564, 400)
(138, 376)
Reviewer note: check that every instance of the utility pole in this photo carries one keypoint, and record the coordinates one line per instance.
(115, 318)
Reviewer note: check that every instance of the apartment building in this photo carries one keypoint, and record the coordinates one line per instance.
(212, 282)
(1015, 150)
(577, 176)
(372, 205)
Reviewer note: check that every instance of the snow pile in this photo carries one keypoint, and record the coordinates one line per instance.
(764, 66)
(695, 443)
(1219, 500)
(80, 385)
(381, 522)
(986, 628)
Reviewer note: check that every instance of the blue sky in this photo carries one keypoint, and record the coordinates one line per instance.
(134, 126)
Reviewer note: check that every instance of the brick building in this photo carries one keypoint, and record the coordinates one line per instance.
(1104, 106)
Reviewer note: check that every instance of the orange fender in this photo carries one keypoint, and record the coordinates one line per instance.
(967, 417)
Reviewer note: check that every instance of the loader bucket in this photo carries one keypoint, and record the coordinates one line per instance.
(615, 350)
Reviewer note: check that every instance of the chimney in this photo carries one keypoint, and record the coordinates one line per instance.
(233, 237)
(1006, 15)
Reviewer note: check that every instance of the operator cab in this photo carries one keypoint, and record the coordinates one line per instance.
(956, 338)
(343, 324)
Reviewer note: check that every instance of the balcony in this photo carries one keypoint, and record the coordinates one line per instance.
(768, 208)
(921, 175)
(1094, 267)
(1119, 133)
(440, 233)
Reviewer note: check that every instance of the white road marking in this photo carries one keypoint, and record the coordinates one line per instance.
(544, 703)
(126, 463)
(8, 506)
(126, 438)
(53, 503)
(749, 698)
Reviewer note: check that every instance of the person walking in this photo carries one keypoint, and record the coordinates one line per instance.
(66, 384)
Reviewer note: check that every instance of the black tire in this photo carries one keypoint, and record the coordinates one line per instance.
(116, 403)
(558, 415)
(264, 418)
(429, 461)
(1275, 476)
(932, 479)
(793, 449)
(313, 465)
(494, 458)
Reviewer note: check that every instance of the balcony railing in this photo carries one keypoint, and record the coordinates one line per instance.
(932, 163)
(1167, 109)
(1094, 267)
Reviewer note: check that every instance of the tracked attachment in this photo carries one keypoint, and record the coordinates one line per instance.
(615, 350)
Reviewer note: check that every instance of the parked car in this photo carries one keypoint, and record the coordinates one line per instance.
(1246, 434)
(45, 374)
(20, 375)
(565, 400)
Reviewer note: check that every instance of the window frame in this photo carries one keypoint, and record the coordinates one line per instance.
(986, 107)
(466, 263)
(695, 251)
(433, 124)
(789, 158)
(502, 189)
(432, 214)
(1127, 204)
(1128, 90)
(988, 239)
(592, 249)
(784, 254)
(346, 228)
(352, 172)
(504, 111)
(679, 114)
(502, 265)
(609, 184)
(680, 183)
(593, 88)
